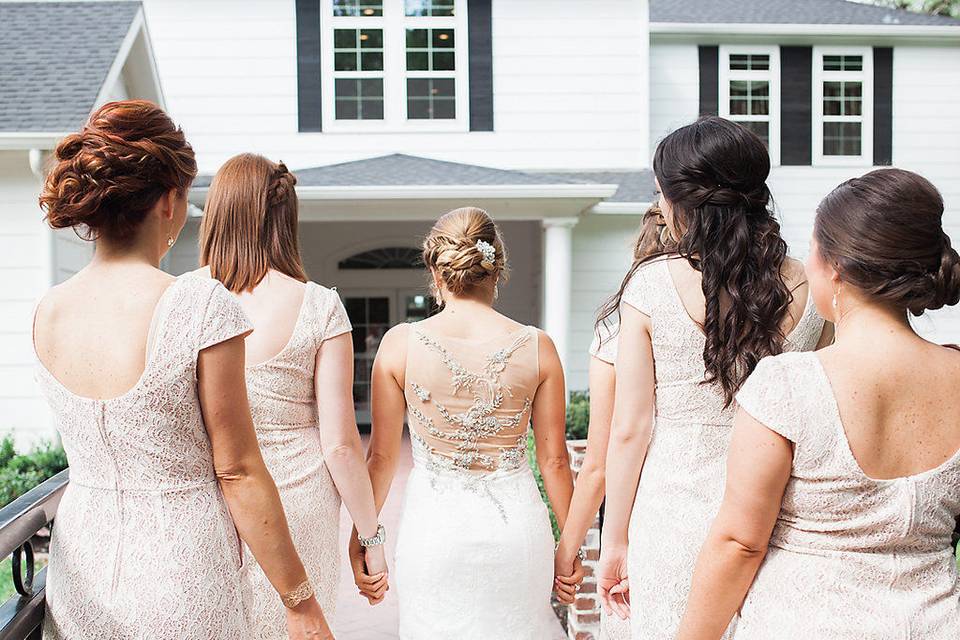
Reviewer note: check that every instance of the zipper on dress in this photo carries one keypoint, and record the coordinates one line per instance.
(102, 427)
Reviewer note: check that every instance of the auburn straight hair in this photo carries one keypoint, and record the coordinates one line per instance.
(250, 223)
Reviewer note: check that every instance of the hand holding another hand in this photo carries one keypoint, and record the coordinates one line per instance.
(369, 568)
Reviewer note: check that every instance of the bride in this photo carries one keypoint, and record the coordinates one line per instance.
(474, 555)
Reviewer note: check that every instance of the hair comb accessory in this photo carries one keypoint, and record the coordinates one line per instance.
(489, 254)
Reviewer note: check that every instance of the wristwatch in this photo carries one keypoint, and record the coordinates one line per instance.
(379, 538)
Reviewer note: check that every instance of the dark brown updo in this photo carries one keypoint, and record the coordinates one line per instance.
(450, 249)
(111, 173)
(884, 234)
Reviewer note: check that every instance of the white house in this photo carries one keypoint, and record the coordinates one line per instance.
(544, 113)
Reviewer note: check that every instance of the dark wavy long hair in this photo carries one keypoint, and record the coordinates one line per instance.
(713, 173)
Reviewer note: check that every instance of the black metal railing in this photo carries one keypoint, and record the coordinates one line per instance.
(21, 617)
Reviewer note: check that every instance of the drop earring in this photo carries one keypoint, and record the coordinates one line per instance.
(170, 241)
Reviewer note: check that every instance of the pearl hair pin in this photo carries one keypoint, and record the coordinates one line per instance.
(489, 254)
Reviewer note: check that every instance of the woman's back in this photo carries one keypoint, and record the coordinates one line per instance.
(873, 497)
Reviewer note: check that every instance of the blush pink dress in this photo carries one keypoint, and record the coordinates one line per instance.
(851, 557)
(681, 485)
(143, 545)
(284, 408)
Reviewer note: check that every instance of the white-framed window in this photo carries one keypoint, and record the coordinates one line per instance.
(843, 105)
(750, 91)
(394, 65)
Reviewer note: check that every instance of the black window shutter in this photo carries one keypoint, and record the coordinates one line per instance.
(309, 115)
(882, 106)
(709, 80)
(480, 34)
(796, 111)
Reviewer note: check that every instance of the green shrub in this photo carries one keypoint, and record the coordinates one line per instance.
(532, 461)
(578, 415)
(21, 472)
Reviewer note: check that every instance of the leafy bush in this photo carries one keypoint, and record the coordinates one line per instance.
(21, 472)
(578, 415)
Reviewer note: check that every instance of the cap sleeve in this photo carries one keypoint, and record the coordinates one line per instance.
(334, 319)
(224, 318)
(604, 345)
(637, 293)
(767, 395)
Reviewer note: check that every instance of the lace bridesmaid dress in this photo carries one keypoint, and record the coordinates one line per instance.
(851, 557)
(604, 347)
(474, 556)
(681, 486)
(284, 408)
(143, 545)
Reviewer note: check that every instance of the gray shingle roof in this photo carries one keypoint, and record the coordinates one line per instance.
(54, 58)
(787, 12)
(400, 169)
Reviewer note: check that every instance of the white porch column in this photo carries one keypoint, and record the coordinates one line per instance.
(557, 276)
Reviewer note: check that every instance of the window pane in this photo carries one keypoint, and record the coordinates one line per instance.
(762, 129)
(843, 63)
(357, 8)
(359, 98)
(442, 61)
(345, 61)
(431, 99)
(749, 97)
(416, 38)
(418, 61)
(442, 38)
(371, 38)
(738, 88)
(842, 98)
(345, 38)
(749, 62)
(841, 139)
(371, 61)
(738, 107)
(429, 7)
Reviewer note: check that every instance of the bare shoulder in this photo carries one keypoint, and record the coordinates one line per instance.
(793, 272)
(393, 345)
(548, 355)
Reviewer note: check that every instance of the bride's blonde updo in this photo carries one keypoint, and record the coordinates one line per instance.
(458, 250)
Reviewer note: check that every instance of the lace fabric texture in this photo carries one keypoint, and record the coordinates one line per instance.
(855, 557)
(283, 403)
(474, 556)
(683, 476)
(143, 544)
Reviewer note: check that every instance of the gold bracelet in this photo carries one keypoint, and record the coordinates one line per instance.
(303, 592)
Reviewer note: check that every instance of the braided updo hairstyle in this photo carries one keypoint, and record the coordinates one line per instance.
(883, 233)
(450, 250)
(250, 223)
(110, 174)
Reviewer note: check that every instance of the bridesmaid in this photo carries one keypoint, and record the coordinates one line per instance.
(843, 481)
(299, 376)
(589, 489)
(693, 324)
(144, 373)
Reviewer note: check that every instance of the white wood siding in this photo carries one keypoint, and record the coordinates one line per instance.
(570, 86)
(25, 274)
(926, 139)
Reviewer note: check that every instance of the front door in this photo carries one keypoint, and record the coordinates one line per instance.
(372, 312)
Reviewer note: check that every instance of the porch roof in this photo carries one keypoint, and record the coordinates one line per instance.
(54, 60)
(405, 177)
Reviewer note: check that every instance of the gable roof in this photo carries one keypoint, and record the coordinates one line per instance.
(54, 59)
(808, 12)
(402, 170)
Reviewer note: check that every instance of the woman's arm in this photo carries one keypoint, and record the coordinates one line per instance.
(549, 415)
(588, 491)
(630, 431)
(388, 408)
(758, 469)
(246, 484)
(342, 449)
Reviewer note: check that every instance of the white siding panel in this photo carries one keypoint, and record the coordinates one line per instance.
(229, 76)
(674, 88)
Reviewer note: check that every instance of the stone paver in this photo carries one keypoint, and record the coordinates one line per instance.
(355, 618)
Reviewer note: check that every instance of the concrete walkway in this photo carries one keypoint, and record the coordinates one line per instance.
(355, 618)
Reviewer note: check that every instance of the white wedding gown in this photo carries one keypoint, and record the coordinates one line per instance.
(474, 557)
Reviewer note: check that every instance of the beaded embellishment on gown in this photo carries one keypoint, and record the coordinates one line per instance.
(474, 557)
(143, 543)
